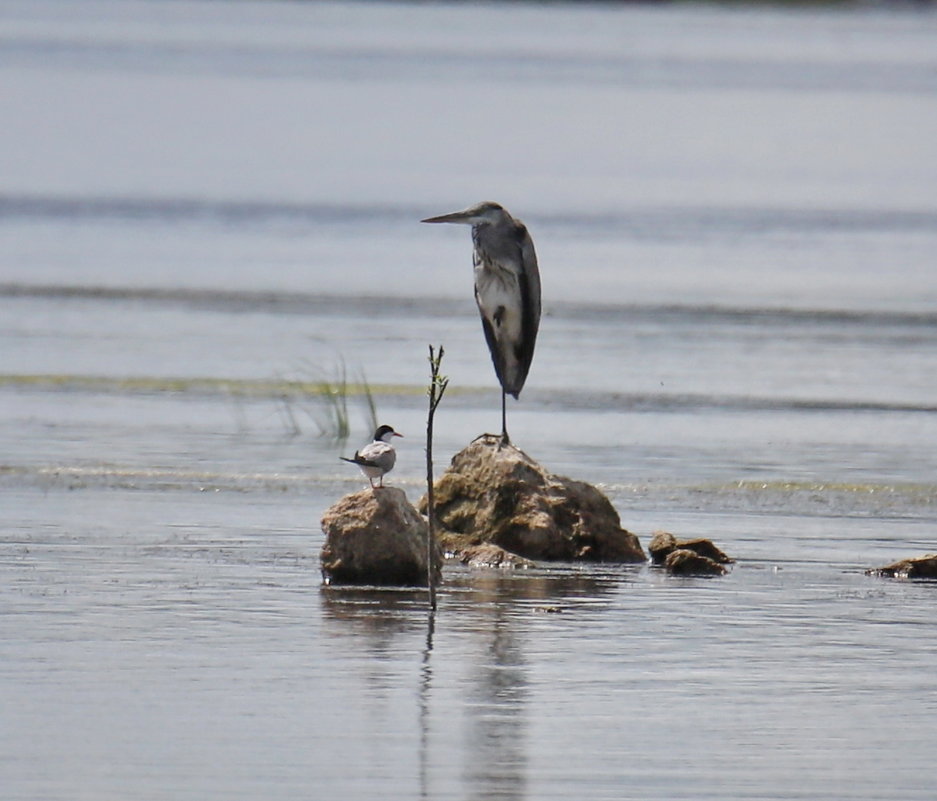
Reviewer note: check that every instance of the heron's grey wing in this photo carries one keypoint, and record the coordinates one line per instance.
(532, 272)
(529, 283)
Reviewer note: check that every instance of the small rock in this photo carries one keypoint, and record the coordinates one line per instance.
(684, 562)
(375, 537)
(496, 494)
(663, 543)
(921, 567)
(488, 555)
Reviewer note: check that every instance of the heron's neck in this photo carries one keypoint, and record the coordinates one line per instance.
(488, 241)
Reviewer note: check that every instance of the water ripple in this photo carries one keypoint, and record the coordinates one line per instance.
(662, 221)
(293, 302)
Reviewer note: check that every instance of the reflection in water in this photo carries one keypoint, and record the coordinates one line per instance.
(491, 610)
(496, 752)
(426, 680)
(384, 617)
(496, 748)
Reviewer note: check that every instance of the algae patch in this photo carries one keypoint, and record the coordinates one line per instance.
(200, 385)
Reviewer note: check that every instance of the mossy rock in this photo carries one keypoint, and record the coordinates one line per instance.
(493, 493)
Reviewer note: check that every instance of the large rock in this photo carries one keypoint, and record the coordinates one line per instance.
(375, 537)
(496, 494)
(921, 567)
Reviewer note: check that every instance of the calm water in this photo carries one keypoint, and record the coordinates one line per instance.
(736, 217)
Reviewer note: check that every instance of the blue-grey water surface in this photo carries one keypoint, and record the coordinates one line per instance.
(736, 217)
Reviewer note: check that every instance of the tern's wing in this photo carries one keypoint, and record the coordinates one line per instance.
(378, 454)
(356, 459)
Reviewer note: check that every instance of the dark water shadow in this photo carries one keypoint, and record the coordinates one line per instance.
(377, 612)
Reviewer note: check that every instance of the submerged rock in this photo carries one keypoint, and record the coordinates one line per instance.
(684, 562)
(921, 567)
(496, 494)
(375, 537)
(663, 543)
(488, 555)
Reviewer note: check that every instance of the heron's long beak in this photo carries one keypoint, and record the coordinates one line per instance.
(455, 217)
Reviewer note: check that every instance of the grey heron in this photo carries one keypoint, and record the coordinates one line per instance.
(507, 291)
(378, 457)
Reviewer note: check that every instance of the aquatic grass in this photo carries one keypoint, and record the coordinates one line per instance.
(331, 400)
(325, 401)
(370, 403)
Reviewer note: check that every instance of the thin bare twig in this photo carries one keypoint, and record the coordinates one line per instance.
(437, 387)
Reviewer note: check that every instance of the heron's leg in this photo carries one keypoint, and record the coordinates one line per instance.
(505, 439)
